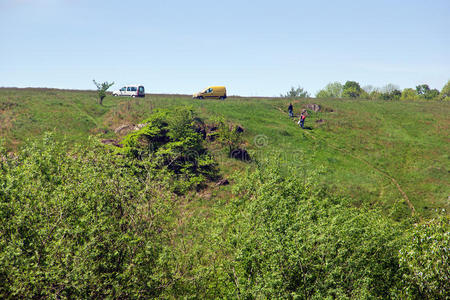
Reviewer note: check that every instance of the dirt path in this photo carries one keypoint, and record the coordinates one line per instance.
(384, 173)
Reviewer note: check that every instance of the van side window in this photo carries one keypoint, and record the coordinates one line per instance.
(133, 89)
(123, 89)
(128, 89)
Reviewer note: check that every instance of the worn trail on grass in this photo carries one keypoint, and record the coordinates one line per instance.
(345, 152)
(85, 113)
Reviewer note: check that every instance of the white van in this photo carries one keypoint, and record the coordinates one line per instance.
(131, 91)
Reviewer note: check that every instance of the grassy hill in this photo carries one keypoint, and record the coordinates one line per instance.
(391, 154)
(323, 212)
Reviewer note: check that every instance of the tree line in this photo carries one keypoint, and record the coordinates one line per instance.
(352, 89)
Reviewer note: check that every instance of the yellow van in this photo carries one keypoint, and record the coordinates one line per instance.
(218, 92)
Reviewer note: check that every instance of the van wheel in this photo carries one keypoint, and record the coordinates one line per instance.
(221, 98)
(201, 97)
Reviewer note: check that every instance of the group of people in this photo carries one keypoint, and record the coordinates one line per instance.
(302, 118)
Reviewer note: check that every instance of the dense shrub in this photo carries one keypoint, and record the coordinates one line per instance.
(80, 223)
(426, 257)
(171, 146)
(290, 238)
(228, 135)
(409, 94)
(351, 89)
(331, 90)
(445, 92)
(424, 92)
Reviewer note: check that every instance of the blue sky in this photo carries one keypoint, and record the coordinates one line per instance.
(255, 48)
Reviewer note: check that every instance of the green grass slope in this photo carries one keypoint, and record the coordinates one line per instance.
(393, 154)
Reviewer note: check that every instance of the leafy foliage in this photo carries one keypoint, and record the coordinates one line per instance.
(445, 92)
(101, 89)
(392, 95)
(298, 92)
(408, 94)
(424, 91)
(172, 147)
(228, 135)
(351, 89)
(290, 238)
(81, 223)
(426, 257)
(331, 90)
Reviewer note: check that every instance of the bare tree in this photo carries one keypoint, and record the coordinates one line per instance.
(368, 88)
(389, 88)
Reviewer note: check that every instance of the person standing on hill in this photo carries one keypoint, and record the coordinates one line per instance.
(301, 121)
(291, 110)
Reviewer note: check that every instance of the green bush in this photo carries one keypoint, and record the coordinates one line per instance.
(424, 92)
(80, 223)
(228, 135)
(171, 146)
(445, 92)
(331, 90)
(425, 257)
(290, 238)
(351, 89)
(409, 94)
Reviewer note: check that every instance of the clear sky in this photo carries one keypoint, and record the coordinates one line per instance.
(254, 48)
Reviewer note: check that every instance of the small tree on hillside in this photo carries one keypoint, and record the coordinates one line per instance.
(296, 93)
(445, 92)
(331, 90)
(228, 135)
(422, 89)
(408, 94)
(101, 89)
(425, 92)
(432, 94)
(351, 89)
